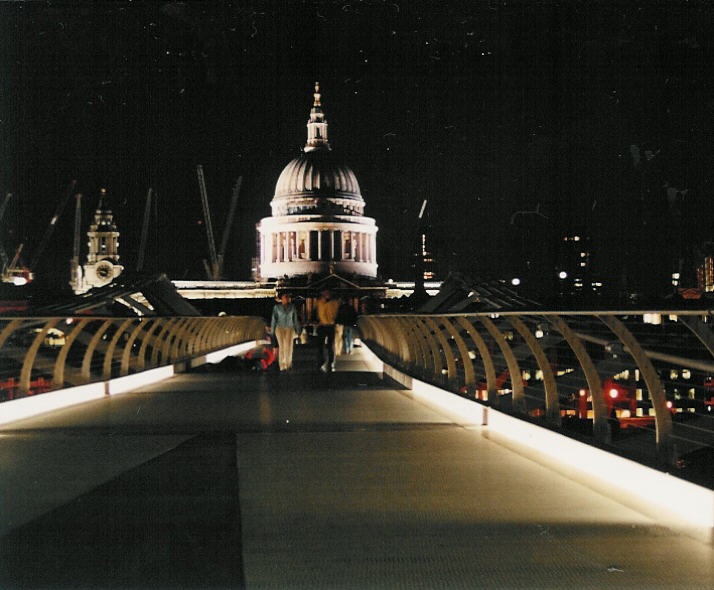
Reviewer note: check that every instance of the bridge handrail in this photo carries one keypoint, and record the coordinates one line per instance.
(451, 349)
(41, 354)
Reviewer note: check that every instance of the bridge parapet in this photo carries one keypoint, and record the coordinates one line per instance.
(43, 354)
(620, 377)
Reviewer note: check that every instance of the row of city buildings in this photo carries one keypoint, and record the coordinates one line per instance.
(318, 234)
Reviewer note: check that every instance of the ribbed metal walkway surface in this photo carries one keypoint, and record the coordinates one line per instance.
(304, 480)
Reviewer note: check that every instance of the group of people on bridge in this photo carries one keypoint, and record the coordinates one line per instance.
(336, 321)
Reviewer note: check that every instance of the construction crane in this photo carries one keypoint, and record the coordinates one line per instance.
(211, 265)
(3, 255)
(17, 275)
(419, 255)
(214, 266)
(11, 272)
(144, 231)
(423, 208)
(229, 224)
(51, 227)
(75, 270)
(8, 196)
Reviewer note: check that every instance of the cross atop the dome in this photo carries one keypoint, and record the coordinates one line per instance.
(317, 95)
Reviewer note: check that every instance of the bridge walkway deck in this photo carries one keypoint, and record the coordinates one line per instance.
(302, 480)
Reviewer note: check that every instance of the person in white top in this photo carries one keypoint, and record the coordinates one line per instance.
(285, 326)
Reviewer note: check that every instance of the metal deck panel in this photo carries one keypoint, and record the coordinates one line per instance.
(344, 481)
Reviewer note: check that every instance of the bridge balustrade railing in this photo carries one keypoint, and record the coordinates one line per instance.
(42, 354)
(639, 382)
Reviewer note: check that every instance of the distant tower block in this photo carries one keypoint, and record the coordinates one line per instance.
(317, 225)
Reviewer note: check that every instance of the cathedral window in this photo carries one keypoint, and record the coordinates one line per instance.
(325, 245)
(337, 243)
(314, 252)
(348, 247)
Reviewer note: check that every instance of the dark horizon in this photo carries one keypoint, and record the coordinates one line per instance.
(518, 122)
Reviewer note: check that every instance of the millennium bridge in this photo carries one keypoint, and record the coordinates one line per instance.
(515, 449)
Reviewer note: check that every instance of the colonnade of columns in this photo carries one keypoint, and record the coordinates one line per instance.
(319, 245)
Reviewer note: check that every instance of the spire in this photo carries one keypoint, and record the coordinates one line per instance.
(317, 125)
(103, 218)
(317, 95)
(102, 196)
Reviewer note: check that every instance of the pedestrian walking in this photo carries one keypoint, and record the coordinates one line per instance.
(339, 327)
(347, 320)
(285, 327)
(326, 314)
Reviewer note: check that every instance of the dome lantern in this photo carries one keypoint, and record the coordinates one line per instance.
(317, 125)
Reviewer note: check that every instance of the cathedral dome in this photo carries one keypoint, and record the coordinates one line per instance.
(317, 226)
(316, 181)
(317, 173)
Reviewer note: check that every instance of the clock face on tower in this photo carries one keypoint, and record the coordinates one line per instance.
(104, 269)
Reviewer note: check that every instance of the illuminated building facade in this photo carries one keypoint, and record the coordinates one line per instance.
(705, 275)
(575, 265)
(317, 226)
(102, 265)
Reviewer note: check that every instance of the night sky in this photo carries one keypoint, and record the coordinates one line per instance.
(518, 121)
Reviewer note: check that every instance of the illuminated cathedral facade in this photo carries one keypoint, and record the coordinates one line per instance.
(317, 226)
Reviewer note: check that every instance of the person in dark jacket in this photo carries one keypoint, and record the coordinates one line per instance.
(347, 318)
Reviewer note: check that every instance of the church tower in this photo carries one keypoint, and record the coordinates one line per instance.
(317, 225)
(102, 264)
